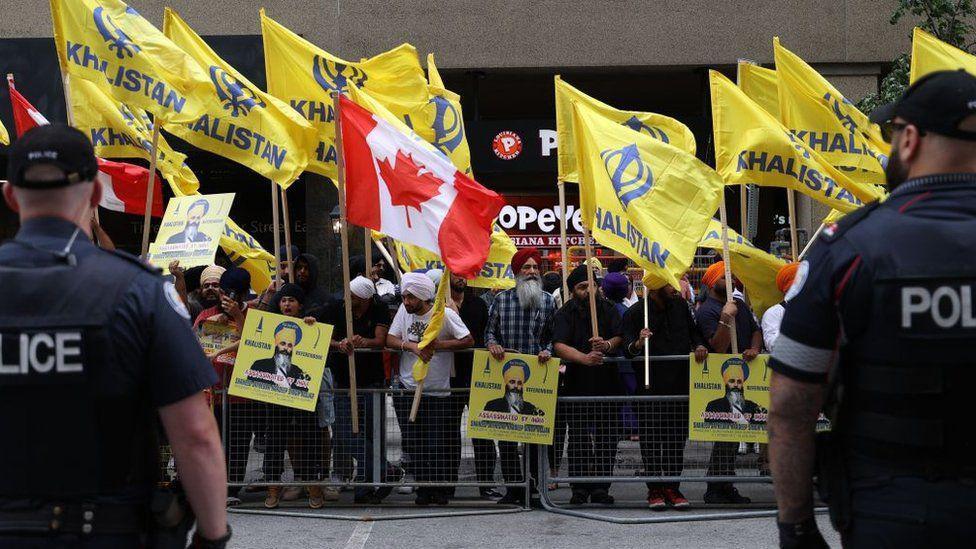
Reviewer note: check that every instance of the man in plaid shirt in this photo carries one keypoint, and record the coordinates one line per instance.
(520, 320)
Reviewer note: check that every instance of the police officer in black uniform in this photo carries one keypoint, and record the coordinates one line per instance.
(880, 333)
(94, 347)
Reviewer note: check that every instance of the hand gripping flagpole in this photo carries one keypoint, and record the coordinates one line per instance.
(344, 235)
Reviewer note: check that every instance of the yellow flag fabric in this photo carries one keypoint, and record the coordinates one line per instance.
(420, 367)
(496, 274)
(755, 268)
(827, 122)
(109, 43)
(4, 136)
(929, 54)
(305, 76)
(245, 252)
(240, 122)
(445, 120)
(642, 197)
(751, 146)
(120, 131)
(660, 127)
(761, 85)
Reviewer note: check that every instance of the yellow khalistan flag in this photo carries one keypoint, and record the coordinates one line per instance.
(305, 77)
(4, 136)
(245, 252)
(109, 43)
(657, 126)
(827, 122)
(445, 120)
(120, 131)
(752, 146)
(241, 122)
(496, 272)
(929, 54)
(761, 85)
(642, 197)
(755, 268)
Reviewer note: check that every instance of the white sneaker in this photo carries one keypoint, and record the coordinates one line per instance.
(331, 494)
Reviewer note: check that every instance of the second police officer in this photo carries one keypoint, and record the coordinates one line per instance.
(879, 333)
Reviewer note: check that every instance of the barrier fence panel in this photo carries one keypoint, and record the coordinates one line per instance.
(625, 446)
(390, 459)
(616, 445)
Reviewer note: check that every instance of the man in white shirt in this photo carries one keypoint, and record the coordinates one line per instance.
(773, 316)
(427, 440)
(376, 273)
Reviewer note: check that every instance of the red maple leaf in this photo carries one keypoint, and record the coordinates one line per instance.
(410, 183)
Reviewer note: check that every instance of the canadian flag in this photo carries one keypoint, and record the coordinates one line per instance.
(398, 185)
(123, 185)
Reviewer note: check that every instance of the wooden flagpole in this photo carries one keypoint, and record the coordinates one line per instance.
(810, 243)
(591, 284)
(564, 248)
(647, 344)
(791, 209)
(727, 260)
(277, 234)
(386, 255)
(286, 219)
(368, 240)
(344, 235)
(150, 186)
(68, 109)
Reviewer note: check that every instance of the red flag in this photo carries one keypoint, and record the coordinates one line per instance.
(124, 188)
(123, 185)
(411, 192)
(26, 117)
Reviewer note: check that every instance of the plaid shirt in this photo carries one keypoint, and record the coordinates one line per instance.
(513, 327)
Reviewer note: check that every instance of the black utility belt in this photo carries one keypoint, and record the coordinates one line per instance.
(77, 518)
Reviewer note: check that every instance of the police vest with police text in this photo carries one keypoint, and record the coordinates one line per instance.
(907, 377)
(73, 421)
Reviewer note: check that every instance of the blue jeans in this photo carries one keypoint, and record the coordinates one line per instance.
(359, 446)
(911, 512)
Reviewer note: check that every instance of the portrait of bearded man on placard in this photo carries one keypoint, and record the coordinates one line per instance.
(279, 368)
(733, 407)
(516, 374)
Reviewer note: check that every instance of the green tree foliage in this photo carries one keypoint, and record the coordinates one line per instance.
(948, 20)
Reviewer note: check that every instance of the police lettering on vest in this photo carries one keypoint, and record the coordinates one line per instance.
(943, 309)
(58, 352)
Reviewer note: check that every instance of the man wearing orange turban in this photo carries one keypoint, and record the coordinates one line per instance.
(715, 318)
(773, 316)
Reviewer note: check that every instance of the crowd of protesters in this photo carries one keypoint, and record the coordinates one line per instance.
(390, 314)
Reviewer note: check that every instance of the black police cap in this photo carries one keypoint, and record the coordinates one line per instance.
(55, 145)
(937, 103)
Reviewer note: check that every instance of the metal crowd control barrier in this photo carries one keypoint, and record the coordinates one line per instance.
(607, 440)
(273, 446)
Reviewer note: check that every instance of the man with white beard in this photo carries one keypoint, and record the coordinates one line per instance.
(520, 320)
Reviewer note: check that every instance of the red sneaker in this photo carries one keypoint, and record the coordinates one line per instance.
(676, 498)
(655, 499)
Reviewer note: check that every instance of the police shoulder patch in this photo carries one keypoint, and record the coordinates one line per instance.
(832, 231)
(173, 297)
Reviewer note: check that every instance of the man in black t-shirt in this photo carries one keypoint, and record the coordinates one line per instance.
(370, 322)
(588, 375)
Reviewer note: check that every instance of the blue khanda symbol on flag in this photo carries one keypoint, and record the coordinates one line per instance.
(631, 177)
(130, 119)
(336, 77)
(234, 96)
(448, 130)
(118, 40)
(635, 124)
